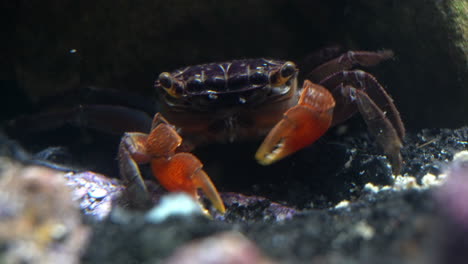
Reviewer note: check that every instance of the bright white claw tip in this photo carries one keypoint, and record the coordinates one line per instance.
(271, 157)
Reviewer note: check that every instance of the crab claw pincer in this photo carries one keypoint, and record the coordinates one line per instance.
(179, 172)
(183, 173)
(175, 171)
(301, 125)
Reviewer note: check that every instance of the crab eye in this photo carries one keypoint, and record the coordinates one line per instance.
(284, 74)
(172, 87)
(288, 69)
(165, 79)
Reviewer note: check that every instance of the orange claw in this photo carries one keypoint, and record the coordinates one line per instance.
(183, 172)
(178, 172)
(301, 125)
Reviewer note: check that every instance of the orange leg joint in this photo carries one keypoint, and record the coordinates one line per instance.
(301, 125)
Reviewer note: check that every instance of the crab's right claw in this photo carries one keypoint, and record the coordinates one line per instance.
(301, 125)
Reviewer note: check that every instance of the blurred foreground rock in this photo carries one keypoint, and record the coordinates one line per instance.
(452, 200)
(39, 222)
(223, 248)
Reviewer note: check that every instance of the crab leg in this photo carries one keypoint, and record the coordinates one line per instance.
(380, 127)
(131, 153)
(301, 125)
(360, 91)
(347, 60)
(175, 171)
(364, 81)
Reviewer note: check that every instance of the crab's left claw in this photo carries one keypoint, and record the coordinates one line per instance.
(301, 125)
(183, 173)
(178, 172)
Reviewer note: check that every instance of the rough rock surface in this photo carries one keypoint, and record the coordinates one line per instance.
(399, 224)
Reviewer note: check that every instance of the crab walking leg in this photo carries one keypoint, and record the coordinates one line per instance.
(359, 91)
(301, 125)
(178, 171)
(347, 60)
(131, 153)
(380, 127)
(365, 82)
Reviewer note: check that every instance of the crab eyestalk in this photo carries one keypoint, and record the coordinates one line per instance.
(287, 71)
(301, 125)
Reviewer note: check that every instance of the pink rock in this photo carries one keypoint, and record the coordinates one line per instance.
(223, 248)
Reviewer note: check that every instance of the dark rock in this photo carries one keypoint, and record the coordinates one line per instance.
(385, 228)
(388, 226)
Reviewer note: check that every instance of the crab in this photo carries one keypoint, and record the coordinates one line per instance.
(251, 98)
